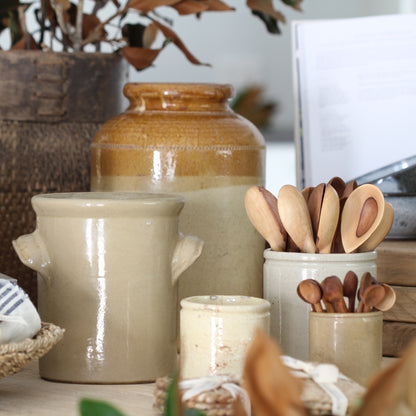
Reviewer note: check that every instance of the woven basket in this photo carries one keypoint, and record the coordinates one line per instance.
(15, 356)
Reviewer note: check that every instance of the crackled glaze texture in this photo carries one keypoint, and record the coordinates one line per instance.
(108, 265)
(184, 138)
(216, 332)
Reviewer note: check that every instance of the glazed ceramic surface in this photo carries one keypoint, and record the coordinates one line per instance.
(108, 265)
(184, 138)
(282, 273)
(216, 332)
(351, 341)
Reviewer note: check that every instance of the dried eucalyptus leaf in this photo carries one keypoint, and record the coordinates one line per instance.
(190, 7)
(170, 34)
(270, 22)
(140, 58)
(148, 5)
(266, 7)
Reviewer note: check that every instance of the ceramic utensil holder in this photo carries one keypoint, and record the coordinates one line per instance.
(282, 273)
(108, 266)
(216, 332)
(351, 341)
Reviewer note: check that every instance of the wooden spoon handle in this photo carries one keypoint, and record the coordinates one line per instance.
(360, 306)
(328, 306)
(318, 307)
(340, 306)
(351, 303)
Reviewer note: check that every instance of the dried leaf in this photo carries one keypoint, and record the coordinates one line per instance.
(148, 5)
(294, 4)
(140, 35)
(170, 34)
(266, 7)
(89, 24)
(140, 58)
(21, 44)
(270, 22)
(272, 389)
(196, 6)
(190, 7)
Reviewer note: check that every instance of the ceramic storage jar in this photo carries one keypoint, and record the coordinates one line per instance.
(282, 273)
(184, 138)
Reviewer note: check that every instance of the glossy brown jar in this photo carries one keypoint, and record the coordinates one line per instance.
(184, 138)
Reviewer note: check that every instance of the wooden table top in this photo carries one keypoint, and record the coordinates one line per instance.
(25, 393)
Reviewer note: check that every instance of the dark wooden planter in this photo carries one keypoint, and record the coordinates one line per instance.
(51, 105)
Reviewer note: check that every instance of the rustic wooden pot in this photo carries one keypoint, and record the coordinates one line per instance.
(51, 105)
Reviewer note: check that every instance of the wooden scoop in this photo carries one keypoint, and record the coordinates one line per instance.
(389, 299)
(333, 293)
(349, 188)
(362, 214)
(381, 231)
(366, 280)
(310, 291)
(350, 289)
(338, 184)
(314, 206)
(328, 221)
(306, 192)
(261, 208)
(295, 218)
(372, 296)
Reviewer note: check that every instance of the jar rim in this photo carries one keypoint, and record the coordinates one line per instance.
(182, 90)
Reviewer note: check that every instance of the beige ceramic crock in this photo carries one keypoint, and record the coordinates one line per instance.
(282, 273)
(108, 265)
(351, 341)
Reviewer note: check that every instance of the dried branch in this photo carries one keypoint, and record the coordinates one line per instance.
(78, 26)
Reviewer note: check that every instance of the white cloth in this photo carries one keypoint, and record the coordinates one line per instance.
(19, 318)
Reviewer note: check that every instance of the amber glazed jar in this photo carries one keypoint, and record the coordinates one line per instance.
(184, 138)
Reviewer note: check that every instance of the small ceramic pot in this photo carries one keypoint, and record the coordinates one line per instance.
(108, 266)
(282, 273)
(216, 332)
(351, 341)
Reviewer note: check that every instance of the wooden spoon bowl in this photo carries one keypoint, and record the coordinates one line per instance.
(310, 291)
(362, 214)
(334, 294)
(261, 208)
(372, 296)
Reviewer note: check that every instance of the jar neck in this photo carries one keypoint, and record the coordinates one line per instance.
(178, 97)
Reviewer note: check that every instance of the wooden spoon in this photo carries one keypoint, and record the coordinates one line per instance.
(362, 214)
(333, 293)
(261, 208)
(350, 289)
(328, 220)
(381, 231)
(372, 296)
(295, 218)
(338, 184)
(306, 192)
(314, 206)
(349, 188)
(310, 291)
(389, 299)
(365, 281)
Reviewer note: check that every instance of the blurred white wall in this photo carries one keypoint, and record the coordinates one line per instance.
(241, 51)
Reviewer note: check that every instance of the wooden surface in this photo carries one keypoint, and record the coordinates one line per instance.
(396, 262)
(25, 393)
(396, 265)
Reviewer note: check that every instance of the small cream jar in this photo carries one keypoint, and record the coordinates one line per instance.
(216, 332)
